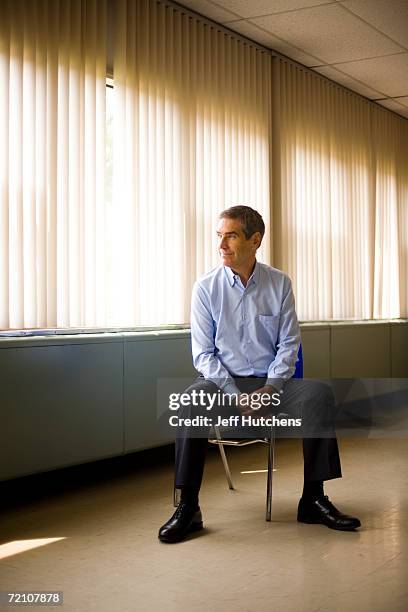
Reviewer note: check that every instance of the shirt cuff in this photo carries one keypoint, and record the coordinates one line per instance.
(277, 383)
(231, 388)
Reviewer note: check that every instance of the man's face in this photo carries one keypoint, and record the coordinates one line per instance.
(235, 250)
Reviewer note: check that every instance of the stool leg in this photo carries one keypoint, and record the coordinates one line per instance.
(271, 458)
(176, 496)
(224, 458)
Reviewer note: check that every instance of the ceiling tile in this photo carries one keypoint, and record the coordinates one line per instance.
(347, 81)
(253, 8)
(328, 32)
(387, 74)
(403, 100)
(210, 10)
(393, 105)
(391, 17)
(272, 42)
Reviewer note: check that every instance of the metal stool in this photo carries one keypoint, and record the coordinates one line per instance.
(270, 441)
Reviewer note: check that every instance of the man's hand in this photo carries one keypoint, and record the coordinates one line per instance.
(248, 403)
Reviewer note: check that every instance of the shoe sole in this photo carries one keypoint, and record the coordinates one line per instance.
(172, 540)
(316, 522)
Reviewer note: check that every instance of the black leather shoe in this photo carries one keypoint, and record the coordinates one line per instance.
(322, 511)
(186, 519)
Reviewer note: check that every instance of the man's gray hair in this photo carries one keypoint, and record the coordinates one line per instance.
(251, 219)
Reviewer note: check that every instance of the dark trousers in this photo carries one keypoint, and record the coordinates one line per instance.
(311, 400)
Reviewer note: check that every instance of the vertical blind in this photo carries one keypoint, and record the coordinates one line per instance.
(390, 152)
(340, 199)
(191, 133)
(52, 162)
(193, 109)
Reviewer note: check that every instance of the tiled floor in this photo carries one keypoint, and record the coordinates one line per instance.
(109, 558)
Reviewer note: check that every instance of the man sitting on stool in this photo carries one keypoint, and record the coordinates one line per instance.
(245, 338)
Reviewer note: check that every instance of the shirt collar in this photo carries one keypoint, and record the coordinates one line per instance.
(232, 277)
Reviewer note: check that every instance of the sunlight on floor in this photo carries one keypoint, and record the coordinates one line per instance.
(257, 471)
(19, 546)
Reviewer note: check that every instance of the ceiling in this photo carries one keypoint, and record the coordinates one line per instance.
(361, 44)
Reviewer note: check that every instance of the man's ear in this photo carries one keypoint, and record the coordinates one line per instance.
(256, 239)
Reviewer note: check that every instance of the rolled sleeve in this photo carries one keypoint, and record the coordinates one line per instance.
(202, 343)
(283, 365)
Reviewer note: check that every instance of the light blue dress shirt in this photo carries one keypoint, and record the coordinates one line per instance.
(244, 331)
